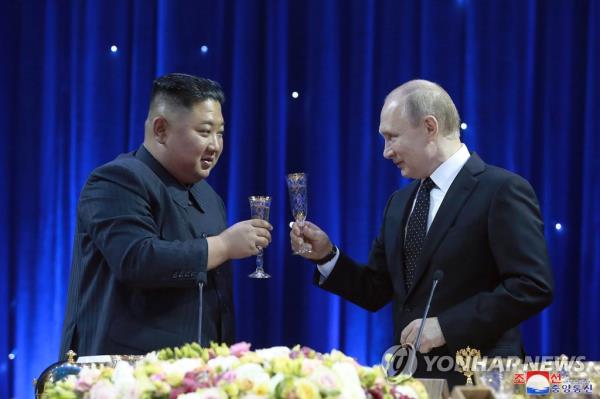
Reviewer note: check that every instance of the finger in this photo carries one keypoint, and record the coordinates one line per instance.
(312, 233)
(262, 242)
(292, 237)
(311, 225)
(260, 232)
(261, 223)
(412, 336)
(425, 346)
(297, 242)
(405, 333)
(408, 330)
(296, 229)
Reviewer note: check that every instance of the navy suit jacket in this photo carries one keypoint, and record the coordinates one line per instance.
(139, 256)
(487, 237)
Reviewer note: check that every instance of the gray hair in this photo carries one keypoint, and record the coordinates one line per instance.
(431, 99)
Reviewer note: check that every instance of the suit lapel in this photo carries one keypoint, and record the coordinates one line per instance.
(457, 194)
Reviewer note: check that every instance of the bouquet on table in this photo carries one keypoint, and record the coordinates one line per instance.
(219, 372)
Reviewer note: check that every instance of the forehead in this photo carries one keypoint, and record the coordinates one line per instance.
(391, 116)
(207, 111)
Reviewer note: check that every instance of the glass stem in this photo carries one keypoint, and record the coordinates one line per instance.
(259, 259)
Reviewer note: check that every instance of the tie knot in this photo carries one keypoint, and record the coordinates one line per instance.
(428, 184)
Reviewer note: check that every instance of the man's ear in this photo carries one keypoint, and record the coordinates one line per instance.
(431, 125)
(159, 129)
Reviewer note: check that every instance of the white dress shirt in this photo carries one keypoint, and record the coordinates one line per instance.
(443, 177)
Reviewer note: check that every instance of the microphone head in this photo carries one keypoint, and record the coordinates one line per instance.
(438, 275)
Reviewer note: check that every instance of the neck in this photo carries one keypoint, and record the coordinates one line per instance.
(443, 151)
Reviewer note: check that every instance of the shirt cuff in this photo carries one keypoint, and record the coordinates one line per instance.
(326, 268)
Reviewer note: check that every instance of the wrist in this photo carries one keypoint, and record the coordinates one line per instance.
(330, 255)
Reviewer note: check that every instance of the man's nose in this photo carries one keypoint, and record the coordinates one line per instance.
(387, 151)
(214, 143)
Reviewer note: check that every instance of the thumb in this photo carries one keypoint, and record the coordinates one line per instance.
(311, 231)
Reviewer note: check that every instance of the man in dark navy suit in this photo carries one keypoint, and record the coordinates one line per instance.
(151, 253)
(479, 224)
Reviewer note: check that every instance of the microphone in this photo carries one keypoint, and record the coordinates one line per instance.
(438, 275)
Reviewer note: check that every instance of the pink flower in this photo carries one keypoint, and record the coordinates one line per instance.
(228, 376)
(87, 377)
(175, 392)
(239, 349)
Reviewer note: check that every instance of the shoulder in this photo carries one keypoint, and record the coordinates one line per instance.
(500, 179)
(125, 171)
(500, 185)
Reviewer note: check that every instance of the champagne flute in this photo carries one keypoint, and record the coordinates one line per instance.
(259, 209)
(296, 183)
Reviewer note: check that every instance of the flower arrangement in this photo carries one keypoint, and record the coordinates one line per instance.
(220, 372)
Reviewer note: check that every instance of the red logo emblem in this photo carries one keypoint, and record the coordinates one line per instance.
(555, 378)
(519, 379)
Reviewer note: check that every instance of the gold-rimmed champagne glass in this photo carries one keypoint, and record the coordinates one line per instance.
(296, 183)
(259, 209)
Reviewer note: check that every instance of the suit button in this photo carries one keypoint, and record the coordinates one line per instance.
(203, 235)
(174, 275)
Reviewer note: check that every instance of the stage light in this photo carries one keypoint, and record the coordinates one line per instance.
(204, 49)
(114, 48)
(11, 356)
(295, 94)
(463, 126)
(558, 226)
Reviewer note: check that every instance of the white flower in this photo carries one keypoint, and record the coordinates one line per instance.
(276, 379)
(309, 365)
(326, 379)
(125, 382)
(151, 357)
(275, 351)
(224, 362)
(406, 390)
(103, 389)
(252, 372)
(181, 366)
(347, 375)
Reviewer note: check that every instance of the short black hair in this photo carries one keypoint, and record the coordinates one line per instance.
(185, 90)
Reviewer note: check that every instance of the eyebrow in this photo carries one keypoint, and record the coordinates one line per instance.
(211, 123)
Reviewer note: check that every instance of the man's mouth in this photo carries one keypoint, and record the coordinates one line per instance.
(207, 162)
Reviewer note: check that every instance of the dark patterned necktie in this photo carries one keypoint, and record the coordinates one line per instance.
(416, 231)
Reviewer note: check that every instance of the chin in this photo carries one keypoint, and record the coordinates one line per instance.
(204, 173)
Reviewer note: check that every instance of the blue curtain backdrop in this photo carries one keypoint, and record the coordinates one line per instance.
(524, 75)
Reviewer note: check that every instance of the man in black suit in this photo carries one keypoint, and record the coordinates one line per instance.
(479, 224)
(150, 260)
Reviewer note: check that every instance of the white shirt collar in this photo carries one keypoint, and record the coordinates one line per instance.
(445, 174)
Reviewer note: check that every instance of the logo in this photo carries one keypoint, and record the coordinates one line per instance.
(537, 382)
(519, 379)
(555, 378)
(399, 362)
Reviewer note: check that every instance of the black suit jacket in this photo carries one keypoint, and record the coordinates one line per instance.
(139, 256)
(487, 237)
